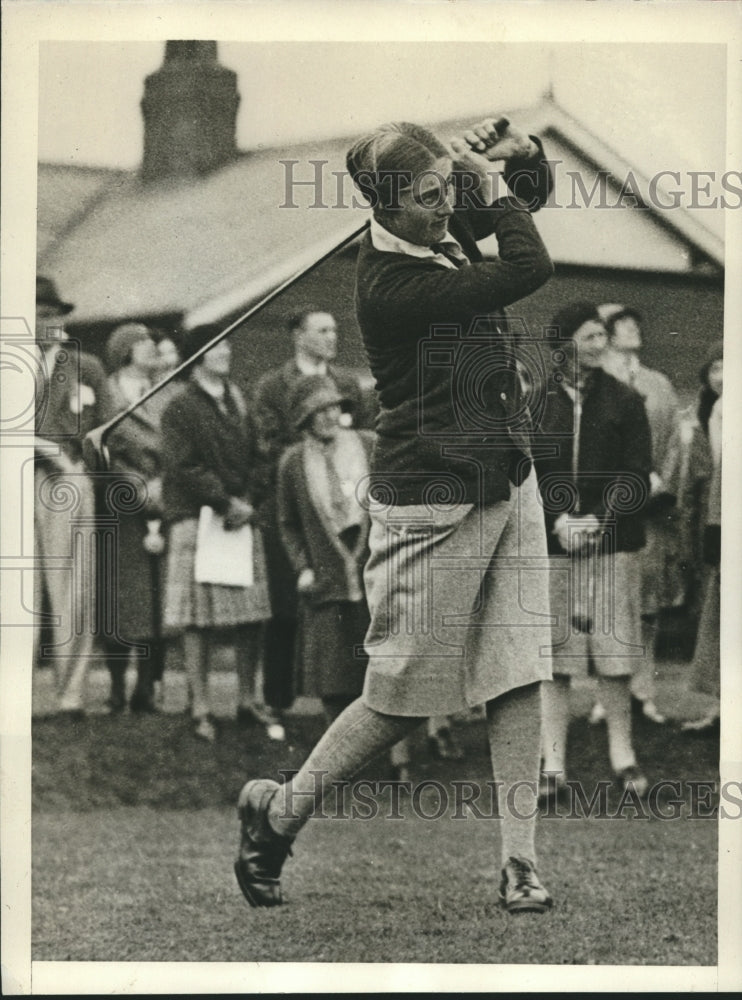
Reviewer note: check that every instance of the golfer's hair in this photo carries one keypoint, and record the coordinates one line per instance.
(385, 161)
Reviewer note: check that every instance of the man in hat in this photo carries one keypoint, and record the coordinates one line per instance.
(314, 337)
(72, 399)
(661, 582)
(455, 517)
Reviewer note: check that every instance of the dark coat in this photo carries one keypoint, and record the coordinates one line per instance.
(329, 657)
(73, 400)
(135, 450)
(305, 535)
(208, 456)
(452, 409)
(614, 459)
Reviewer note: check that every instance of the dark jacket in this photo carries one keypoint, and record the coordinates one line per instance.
(614, 460)
(208, 456)
(73, 400)
(453, 420)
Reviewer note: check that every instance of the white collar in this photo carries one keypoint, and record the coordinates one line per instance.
(210, 390)
(307, 367)
(387, 242)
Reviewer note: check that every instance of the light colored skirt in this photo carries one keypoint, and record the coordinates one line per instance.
(596, 601)
(206, 605)
(459, 602)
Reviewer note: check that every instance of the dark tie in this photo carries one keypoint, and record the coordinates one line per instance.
(452, 252)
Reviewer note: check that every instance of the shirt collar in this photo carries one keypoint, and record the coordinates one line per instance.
(308, 368)
(387, 242)
(211, 390)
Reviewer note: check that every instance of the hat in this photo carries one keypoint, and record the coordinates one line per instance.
(311, 394)
(199, 337)
(120, 343)
(46, 295)
(612, 312)
(571, 317)
(714, 353)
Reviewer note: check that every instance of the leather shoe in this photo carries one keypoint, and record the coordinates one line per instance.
(262, 850)
(520, 888)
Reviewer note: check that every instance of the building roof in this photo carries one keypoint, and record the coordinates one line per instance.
(118, 248)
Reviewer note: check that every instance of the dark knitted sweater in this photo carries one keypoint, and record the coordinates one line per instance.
(452, 425)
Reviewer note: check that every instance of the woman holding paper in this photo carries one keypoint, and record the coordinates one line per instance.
(216, 572)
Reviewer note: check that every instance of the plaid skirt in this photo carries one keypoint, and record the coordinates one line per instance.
(206, 605)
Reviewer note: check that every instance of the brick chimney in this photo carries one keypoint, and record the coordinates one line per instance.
(190, 113)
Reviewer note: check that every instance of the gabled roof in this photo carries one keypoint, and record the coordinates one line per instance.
(203, 249)
(549, 119)
(145, 250)
(65, 194)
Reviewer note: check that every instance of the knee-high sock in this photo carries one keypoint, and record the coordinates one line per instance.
(554, 724)
(436, 723)
(354, 738)
(247, 640)
(514, 728)
(643, 684)
(615, 695)
(196, 657)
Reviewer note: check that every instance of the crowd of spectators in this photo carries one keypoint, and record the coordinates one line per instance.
(280, 467)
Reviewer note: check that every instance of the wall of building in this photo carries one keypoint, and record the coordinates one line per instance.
(682, 315)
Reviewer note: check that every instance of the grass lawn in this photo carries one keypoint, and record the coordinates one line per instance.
(134, 835)
(150, 885)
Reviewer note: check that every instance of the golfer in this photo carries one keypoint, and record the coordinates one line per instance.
(455, 580)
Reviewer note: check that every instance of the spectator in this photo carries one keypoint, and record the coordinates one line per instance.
(314, 334)
(594, 459)
(134, 447)
(442, 745)
(702, 507)
(209, 461)
(72, 399)
(661, 576)
(168, 354)
(324, 527)
(132, 360)
(333, 618)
